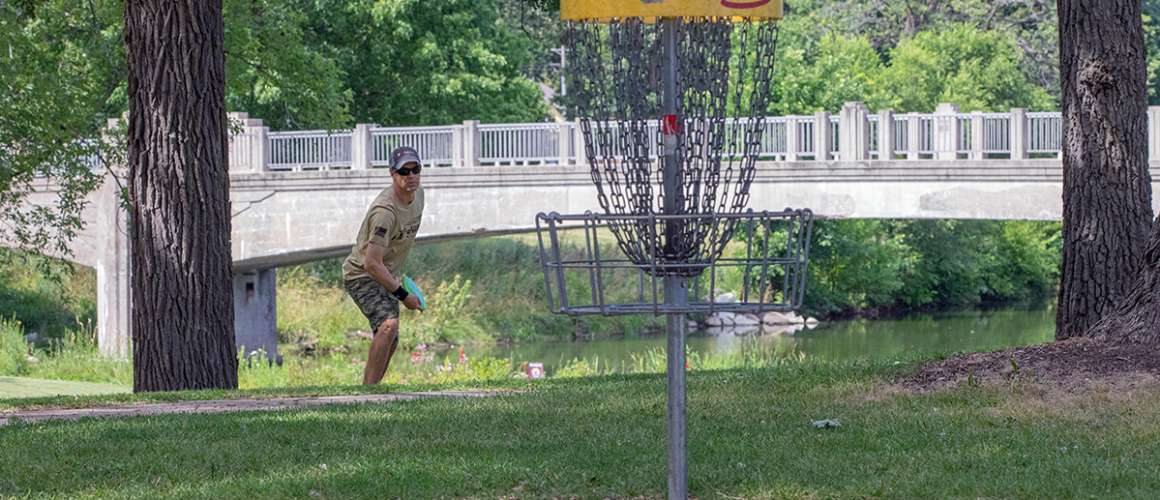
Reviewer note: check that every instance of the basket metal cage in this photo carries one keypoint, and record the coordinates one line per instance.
(761, 262)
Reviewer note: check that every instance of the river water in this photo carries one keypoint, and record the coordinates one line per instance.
(917, 334)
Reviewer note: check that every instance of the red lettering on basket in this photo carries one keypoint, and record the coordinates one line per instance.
(740, 4)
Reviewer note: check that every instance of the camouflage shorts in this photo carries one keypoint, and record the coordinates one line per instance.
(375, 302)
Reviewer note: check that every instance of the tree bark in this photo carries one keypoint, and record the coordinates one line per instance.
(182, 316)
(1136, 318)
(1107, 190)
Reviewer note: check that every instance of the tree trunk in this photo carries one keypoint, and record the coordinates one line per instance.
(182, 316)
(1136, 318)
(1107, 191)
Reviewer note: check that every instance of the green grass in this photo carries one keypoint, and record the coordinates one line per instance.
(49, 304)
(74, 357)
(15, 387)
(749, 436)
(114, 399)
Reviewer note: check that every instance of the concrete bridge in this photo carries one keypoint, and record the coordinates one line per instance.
(299, 196)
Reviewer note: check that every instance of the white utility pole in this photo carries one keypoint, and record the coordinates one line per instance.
(562, 50)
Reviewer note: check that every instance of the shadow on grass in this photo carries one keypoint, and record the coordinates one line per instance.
(749, 435)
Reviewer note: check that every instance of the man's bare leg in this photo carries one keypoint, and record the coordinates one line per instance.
(382, 349)
(391, 353)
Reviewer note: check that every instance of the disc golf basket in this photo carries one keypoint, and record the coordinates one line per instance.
(671, 96)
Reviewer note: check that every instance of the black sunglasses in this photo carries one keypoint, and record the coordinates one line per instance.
(405, 171)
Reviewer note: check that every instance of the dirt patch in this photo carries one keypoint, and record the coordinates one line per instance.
(1064, 365)
(1135, 394)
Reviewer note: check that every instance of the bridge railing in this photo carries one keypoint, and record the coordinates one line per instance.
(852, 134)
(521, 143)
(309, 150)
(437, 144)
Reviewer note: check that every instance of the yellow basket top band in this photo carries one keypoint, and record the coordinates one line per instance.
(597, 10)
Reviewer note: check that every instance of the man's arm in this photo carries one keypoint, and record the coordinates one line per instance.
(373, 263)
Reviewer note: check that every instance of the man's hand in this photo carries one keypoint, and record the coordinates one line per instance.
(412, 302)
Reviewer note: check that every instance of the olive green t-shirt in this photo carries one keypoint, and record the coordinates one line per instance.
(390, 224)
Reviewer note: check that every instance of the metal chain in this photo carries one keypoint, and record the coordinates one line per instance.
(723, 72)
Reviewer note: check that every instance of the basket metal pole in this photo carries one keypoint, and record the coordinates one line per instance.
(676, 293)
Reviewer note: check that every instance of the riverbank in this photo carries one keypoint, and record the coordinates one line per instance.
(919, 335)
(489, 292)
(493, 288)
(750, 435)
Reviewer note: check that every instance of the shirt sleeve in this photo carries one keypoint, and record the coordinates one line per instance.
(382, 224)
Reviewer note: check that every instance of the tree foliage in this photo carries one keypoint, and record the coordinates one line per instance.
(275, 73)
(823, 63)
(297, 65)
(328, 63)
(959, 64)
(858, 265)
(410, 62)
(825, 75)
(887, 23)
(55, 87)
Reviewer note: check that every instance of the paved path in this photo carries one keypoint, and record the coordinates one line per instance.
(225, 405)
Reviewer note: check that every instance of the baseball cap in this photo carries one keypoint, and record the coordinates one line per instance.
(403, 155)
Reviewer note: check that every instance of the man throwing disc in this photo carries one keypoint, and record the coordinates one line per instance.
(372, 274)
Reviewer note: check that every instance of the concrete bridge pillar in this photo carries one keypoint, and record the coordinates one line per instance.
(886, 134)
(470, 143)
(361, 147)
(913, 136)
(792, 144)
(564, 141)
(249, 144)
(946, 132)
(112, 267)
(854, 132)
(823, 136)
(256, 312)
(578, 143)
(978, 136)
(1018, 134)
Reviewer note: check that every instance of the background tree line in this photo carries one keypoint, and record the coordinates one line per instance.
(886, 267)
(328, 63)
(422, 61)
(303, 64)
